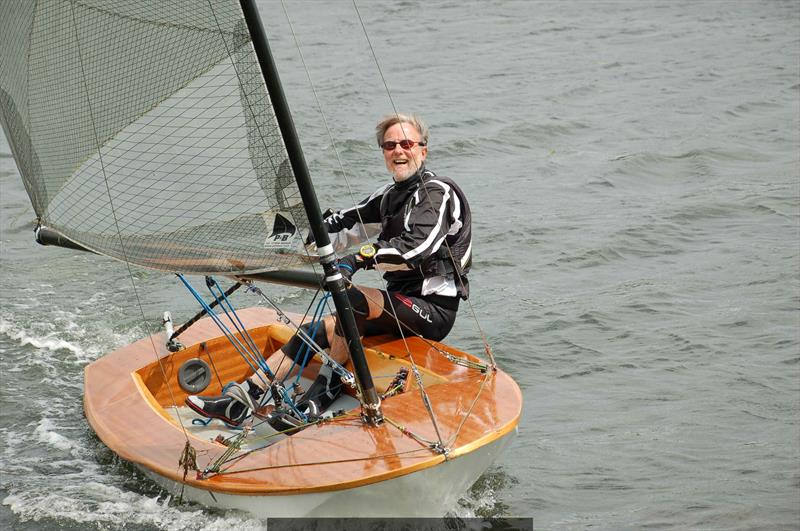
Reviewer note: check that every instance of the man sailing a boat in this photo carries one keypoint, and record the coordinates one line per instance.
(423, 248)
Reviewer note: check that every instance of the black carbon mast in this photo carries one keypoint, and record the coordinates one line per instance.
(334, 282)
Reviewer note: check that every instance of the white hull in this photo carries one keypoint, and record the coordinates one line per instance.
(429, 492)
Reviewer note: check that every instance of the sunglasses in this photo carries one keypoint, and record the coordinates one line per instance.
(389, 145)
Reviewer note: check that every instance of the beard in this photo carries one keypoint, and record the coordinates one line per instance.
(403, 172)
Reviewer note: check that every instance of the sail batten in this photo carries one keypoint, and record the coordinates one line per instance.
(143, 131)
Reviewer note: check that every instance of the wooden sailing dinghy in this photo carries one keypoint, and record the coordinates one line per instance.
(158, 134)
(338, 468)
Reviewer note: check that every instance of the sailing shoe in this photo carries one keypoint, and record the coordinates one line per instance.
(285, 421)
(326, 388)
(232, 407)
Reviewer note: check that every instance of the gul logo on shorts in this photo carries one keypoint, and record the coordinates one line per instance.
(416, 309)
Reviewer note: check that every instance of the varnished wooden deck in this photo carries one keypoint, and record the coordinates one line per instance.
(125, 395)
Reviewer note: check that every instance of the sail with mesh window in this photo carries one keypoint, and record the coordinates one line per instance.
(143, 131)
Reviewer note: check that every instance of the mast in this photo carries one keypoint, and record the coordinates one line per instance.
(334, 281)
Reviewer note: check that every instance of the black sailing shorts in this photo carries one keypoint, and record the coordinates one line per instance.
(431, 316)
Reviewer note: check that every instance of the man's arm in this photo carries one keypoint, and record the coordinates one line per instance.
(357, 224)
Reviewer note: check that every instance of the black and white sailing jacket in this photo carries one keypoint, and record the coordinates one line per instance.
(424, 230)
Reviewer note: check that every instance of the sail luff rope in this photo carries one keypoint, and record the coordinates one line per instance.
(116, 222)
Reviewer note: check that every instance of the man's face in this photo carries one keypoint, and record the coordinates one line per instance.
(403, 163)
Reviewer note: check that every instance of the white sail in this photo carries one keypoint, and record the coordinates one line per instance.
(143, 130)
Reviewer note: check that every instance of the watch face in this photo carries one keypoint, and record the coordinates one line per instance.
(367, 251)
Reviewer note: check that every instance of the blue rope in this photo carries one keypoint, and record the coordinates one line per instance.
(210, 282)
(241, 349)
(305, 349)
(257, 356)
(316, 320)
(287, 399)
(249, 351)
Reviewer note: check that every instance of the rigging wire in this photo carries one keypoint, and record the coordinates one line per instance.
(119, 231)
(240, 327)
(392, 310)
(347, 376)
(230, 458)
(487, 347)
(405, 453)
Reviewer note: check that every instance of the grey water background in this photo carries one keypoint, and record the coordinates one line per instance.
(634, 176)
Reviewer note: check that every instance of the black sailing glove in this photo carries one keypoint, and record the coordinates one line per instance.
(348, 265)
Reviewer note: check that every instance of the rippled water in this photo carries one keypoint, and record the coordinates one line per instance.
(634, 176)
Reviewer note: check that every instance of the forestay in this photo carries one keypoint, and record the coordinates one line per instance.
(143, 130)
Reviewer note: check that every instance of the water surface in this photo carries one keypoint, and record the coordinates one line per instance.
(634, 178)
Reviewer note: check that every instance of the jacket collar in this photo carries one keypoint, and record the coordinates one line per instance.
(411, 181)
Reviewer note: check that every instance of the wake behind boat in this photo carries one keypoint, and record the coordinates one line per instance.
(159, 135)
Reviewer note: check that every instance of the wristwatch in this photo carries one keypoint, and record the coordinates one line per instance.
(367, 251)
